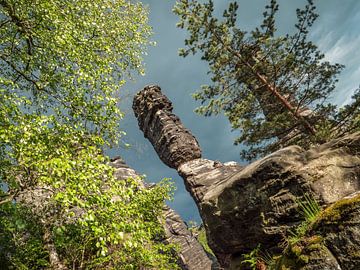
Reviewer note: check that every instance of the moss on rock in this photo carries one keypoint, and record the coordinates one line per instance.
(336, 211)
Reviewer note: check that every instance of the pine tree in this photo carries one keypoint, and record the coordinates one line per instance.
(272, 88)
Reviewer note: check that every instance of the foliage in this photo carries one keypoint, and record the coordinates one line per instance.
(299, 254)
(272, 88)
(61, 66)
(258, 259)
(72, 56)
(309, 208)
(347, 119)
(18, 229)
(252, 258)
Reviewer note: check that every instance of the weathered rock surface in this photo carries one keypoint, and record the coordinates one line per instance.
(200, 174)
(332, 240)
(261, 199)
(172, 141)
(317, 257)
(191, 254)
(244, 206)
(339, 225)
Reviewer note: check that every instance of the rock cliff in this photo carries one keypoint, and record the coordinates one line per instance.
(243, 207)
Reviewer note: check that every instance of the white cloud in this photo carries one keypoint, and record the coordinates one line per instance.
(343, 50)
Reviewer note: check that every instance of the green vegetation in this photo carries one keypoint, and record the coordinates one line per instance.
(337, 211)
(298, 245)
(310, 210)
(62, 64)
(272, 88)
(251, 259)
(299, 254)
(257, 257)
(308, 240)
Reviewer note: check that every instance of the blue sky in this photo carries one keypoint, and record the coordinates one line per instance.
(336, 32)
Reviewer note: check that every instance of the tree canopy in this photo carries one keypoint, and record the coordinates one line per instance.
(62, 64)
(273, 88)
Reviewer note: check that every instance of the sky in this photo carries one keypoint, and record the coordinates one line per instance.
(336, 32)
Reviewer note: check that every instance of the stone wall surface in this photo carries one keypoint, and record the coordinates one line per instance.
(244, 206)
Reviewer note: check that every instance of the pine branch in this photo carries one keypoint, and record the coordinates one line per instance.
(268, 86)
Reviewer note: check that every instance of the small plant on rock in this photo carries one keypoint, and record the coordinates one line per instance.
(257, 259)
(252, 258)
(310, 210)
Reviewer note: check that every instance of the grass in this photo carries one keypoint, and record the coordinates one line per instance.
(310, 210)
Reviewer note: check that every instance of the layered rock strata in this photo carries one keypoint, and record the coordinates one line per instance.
(172, 141)
(242, 207)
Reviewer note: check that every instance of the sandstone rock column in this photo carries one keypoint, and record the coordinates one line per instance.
(175, 145)
(242, 207)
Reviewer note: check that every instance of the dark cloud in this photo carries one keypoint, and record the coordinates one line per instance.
(336, 32)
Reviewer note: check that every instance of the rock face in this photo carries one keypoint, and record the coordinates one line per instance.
(174, 144)
(339, 224)
(242, 207)
(191, 254)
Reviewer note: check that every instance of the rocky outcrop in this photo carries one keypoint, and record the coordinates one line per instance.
(332, 240)
(261, 200)
(242, 207)
(191, 255)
